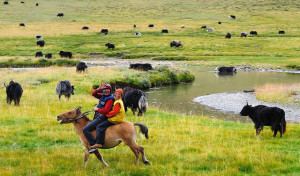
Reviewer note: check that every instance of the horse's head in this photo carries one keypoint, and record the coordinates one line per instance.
(69, 116)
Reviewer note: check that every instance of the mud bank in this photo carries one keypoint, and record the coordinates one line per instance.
(235, 101)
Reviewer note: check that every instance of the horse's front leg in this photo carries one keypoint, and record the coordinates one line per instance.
(86, 156)
(99, 156)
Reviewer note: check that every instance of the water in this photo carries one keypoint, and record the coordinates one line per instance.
(179, 98)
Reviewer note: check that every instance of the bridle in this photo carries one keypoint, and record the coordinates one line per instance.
(81, 115)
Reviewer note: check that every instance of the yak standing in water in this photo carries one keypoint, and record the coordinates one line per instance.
(14, 92)
(266, 116)
(64, 88)
(135, 99)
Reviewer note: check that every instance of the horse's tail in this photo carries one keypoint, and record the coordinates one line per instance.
(143, 104)
(143, 128)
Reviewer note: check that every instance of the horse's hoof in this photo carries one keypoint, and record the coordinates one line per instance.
(146, 162)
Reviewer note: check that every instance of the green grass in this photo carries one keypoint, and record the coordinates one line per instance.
(32, 142)
(266, 17)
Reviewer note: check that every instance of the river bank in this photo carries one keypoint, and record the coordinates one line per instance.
(235, 101)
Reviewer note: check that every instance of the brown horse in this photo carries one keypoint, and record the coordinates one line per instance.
(114, 135)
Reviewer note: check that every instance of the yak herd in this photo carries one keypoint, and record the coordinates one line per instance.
(135, 99)
(173, 43)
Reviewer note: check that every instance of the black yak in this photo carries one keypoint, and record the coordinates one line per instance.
(281, 32)
(36, 4)
(5, 2)
(40, 43)
(109, 45)
(165, 31)
(22, 24)
(144, 67)
(65, 54)
(105, 31)
(253, 32)
(135, 99)
(48, 55)
(176, 43)
(228, 35)
(266, 116)
(150, 25)
(39, 54)
(225, 69)
(60, 14)
(81, 67)
(232, 16)
(14, 92)
(203, 27)
(219, 22)
(64, 88)
(85, 28)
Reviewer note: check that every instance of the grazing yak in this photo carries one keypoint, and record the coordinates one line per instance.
(150, 25)
(165, 31)
(60, 14)
(176, 43)
(39, 54)
(232, 16)
(48, 55)
(64, 88)
(65, 54)
(22, 2)
(85, 28)
(40, 43)
(37, 4)
(253, 32)
(134, 26)
(109, 45)
(211, 29)
(81, 67)
(281, 32)
(266, 116)
(22, 24)
(38, 37)
(228, 35)
(223, 69)
(244, 34)
(219, 22)
(5, 2)
(14, 92)
(105, 31)
(138, 34)
(182, 26)
(203, 27)
(135, 99)
(144, 67)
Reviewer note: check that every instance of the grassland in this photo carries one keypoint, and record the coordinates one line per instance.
(266, 17)
(33, 143)
(280, 93)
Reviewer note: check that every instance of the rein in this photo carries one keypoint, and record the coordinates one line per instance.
(83, 115)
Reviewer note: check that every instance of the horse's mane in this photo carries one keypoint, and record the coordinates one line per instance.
(86, 118)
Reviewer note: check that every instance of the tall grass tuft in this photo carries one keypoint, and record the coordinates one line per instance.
(280, 93)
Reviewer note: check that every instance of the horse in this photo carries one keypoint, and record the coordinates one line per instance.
(114, 135)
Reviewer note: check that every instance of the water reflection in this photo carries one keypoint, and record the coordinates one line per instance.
(180, 98)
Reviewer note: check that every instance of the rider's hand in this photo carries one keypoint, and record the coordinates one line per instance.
(96, 109)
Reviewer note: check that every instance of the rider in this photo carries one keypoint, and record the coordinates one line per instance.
(106, 100)
(114, 117)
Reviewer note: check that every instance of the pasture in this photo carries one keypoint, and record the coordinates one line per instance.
(34, 143)
(266, 17)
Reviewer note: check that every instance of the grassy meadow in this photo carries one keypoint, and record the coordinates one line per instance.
(32, 142)
(280, 93)
(265, 17)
